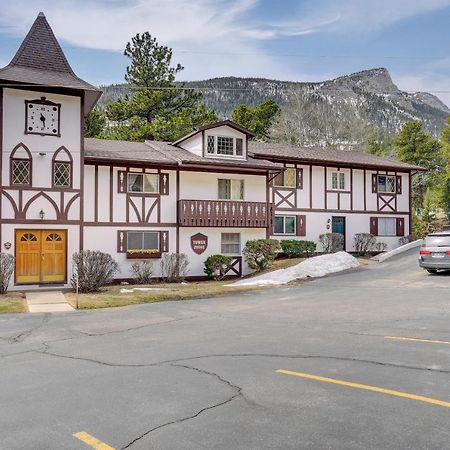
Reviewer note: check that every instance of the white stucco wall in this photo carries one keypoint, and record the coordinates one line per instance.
(214, 244)
(13, 134)
(204, 186)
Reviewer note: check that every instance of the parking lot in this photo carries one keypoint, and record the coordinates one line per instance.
(353, 361)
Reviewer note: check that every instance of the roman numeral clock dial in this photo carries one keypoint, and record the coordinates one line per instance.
(42, 117)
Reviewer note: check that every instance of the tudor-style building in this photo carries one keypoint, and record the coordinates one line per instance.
(204, 194)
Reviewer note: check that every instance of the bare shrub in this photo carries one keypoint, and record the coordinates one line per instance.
(365, 243)
(380, 246)
(92, 270)
(6, 270)
(331, 242)
(174, 267)
(142, 271)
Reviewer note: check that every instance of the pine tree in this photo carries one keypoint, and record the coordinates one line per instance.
(155, 100)
(258, 119)
(95, 123)
(415, 147)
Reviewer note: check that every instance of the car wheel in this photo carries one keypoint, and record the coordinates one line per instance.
(432, 270)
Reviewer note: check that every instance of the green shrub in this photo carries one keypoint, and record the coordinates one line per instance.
(217, 266)
(295, 249)
(260, 253)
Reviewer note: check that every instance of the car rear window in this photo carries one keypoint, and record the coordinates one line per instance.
(438, 240)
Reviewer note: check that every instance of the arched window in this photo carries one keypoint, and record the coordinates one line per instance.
(62, 168)
(21, 166)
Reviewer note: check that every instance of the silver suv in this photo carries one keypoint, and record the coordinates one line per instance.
(435, 252)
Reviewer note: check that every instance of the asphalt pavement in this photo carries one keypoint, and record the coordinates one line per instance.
(359, 360)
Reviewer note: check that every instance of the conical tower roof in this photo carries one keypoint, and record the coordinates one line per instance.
(40, 61)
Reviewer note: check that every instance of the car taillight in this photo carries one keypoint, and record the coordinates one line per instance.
(425, 252)
(447, 252)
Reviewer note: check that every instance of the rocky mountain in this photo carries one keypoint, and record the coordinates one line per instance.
(356, 103)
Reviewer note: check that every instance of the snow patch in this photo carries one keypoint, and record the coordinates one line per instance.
(315, 267)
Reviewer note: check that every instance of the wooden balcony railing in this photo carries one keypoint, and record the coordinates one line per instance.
(218, 213)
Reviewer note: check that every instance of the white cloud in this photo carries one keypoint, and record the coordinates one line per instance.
(214, 37)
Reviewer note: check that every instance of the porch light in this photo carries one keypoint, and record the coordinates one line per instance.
(41, 214)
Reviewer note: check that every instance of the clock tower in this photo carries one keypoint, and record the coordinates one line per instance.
(43, 105)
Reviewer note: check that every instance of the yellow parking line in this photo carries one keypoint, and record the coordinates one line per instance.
(366, 387)
(430, 341)
(92, 441)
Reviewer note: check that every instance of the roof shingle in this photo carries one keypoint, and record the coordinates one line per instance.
(41, 61)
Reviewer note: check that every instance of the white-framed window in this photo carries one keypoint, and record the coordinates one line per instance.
(387, 226)
(231, 243)
(224, 146)
(230, 189)
(287, 178)
(284, 225)
(386, 184)
(143, 182)
(143, 240)
(338, 181)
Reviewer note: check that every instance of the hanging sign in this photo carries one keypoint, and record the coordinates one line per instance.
(199, 243)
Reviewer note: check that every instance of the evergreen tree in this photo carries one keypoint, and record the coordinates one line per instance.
(95, 123)
(445, 189)
(415, 147)
(258, 119)
(155, 100)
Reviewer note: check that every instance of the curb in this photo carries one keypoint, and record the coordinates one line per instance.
(397, 251)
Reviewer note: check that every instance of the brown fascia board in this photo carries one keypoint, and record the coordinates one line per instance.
(214, 165)
(126, 162)
(321, 162)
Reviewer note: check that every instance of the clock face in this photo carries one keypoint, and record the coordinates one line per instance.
(42, 118)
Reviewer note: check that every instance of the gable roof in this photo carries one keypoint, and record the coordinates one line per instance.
(228, 123)
(326, 156)
(40, 61)
(163, 153)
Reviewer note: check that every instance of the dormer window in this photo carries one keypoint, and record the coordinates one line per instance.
(224, 146)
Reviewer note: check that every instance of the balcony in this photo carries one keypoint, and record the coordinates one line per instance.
(218, 213)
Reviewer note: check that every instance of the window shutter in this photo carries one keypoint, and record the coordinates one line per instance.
(399, 184)
(239, 147)
(301, 226)
(122, 241)
(300, 178)
(164, 241)
(374, 183)
(374, 226)
(400, 227)
(164, 183)
(121, 181)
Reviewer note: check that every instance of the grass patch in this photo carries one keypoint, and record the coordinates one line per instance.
(12, 303)
(111, 296)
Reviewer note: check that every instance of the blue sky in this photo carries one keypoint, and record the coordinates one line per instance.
(303, 40)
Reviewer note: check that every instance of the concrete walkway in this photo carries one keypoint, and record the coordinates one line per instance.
(47, 301)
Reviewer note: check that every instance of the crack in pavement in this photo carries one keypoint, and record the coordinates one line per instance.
(24, 334)
(237, 393)
(239, 355)
(85, 333)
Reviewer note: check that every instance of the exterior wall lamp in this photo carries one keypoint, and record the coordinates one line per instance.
(41, 214)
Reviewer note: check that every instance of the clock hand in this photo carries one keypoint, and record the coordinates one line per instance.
(42, 118)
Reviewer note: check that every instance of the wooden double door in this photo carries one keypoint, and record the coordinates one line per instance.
(41, 256)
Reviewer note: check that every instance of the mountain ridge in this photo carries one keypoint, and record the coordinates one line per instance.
(361, 101)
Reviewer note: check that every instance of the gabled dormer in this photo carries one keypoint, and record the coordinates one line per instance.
(221, 140)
